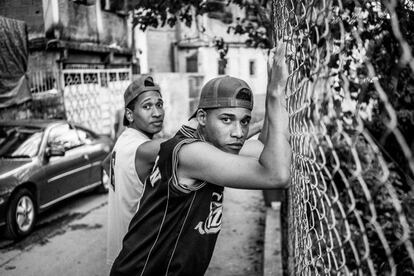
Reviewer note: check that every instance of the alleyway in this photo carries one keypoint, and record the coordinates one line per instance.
(239, 250)
(70, 241)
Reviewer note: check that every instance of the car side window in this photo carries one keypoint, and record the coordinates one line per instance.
(85, 136)
(64, 136)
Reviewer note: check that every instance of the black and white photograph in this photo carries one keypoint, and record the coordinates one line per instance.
(206, 137)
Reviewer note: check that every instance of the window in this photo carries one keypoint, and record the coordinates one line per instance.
(85, 2)
(222, 64)
(19, 141)
(85, 136)
(218, 9)
(192, 63)
(118, 6)
(252, 68)
(64, 136)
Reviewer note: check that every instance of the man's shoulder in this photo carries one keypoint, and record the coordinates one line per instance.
(133, 135)
(130, 140)
(181, 137)
(196, 147)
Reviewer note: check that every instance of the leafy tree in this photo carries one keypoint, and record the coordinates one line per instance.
(158, 13)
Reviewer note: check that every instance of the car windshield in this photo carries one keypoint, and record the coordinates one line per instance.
(19, 141)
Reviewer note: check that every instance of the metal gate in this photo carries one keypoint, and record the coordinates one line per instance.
(92, 96)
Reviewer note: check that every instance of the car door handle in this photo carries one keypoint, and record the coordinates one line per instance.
(86, 157)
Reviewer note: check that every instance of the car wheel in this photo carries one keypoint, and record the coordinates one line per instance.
(21, 214)
(103, 188)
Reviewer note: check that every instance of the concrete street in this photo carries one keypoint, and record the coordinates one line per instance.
(71, 239)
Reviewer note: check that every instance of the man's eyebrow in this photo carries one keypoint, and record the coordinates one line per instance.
(227, 114)
(149, 100)
(233, 115)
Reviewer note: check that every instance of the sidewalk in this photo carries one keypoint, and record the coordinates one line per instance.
(77, 247)
(239, 248)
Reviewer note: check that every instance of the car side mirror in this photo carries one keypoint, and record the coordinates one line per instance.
(55, 151)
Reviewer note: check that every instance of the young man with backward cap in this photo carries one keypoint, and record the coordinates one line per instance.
(175, 229)
(144, 116)
(133, 156)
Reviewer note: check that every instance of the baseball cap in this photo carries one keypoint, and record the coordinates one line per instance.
(136, 88)
(223, 92)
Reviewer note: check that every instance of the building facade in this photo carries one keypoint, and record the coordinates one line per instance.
(73, 33)
(80, 56)
(191, 51)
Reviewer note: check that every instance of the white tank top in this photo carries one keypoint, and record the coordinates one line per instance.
(125, 189)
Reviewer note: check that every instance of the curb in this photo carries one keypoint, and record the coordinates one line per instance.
(272, 263)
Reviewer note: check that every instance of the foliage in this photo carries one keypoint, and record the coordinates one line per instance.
(361, 33)
(257, 25)
(355, 202)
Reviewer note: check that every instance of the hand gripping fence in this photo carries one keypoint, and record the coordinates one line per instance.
(350, 96)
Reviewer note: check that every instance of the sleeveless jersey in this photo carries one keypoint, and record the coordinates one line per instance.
(176, 227)
(125, 189)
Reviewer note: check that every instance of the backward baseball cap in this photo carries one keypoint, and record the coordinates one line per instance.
(224, 92)
(136, 88)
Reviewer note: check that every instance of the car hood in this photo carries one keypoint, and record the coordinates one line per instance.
(12, 166)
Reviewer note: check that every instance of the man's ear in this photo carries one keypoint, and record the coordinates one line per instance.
(201, 116)
(128, 115)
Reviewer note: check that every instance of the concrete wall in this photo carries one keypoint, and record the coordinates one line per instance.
(175, 92)
(155, 49)
(30, 11)
(115, 30)
(77, 22)
(42, 61)
(84, 23)
(68, 20)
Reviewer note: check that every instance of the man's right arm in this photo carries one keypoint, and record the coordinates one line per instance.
(272, 170)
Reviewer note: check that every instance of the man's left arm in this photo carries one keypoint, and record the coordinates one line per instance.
(145, 157)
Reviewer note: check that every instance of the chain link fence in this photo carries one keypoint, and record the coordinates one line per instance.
(350, 96)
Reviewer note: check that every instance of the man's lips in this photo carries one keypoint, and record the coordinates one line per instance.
(235, 145)
(157, 123)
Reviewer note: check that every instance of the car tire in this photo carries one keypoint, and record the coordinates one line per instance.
(104, 187)
(21, 214)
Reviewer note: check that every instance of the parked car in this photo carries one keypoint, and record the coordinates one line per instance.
(43, 162)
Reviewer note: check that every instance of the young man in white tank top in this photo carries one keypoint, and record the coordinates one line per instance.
(144, 116)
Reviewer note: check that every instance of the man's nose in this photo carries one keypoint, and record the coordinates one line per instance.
(157, 112)
(237, 131)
